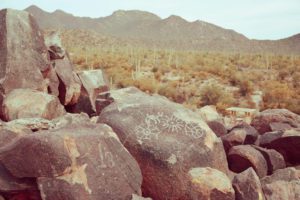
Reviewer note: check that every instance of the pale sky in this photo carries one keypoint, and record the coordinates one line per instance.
(256, 19)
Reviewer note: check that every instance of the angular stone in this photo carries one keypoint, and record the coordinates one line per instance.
(243, 157)
(34, 124)
(23, 54)
(279, 126)
(209, 113)
(28, 103)
(247, 186)
(69, 84)
(282, 185)
(203, 185)
(165, 138)
(274, 159)
(76, 162)
(250, 132)
(54, 45)
(217, 127)
(286, 142)
(94, 82)
(262, 122)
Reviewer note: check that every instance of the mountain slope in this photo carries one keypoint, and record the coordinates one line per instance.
(172, 32)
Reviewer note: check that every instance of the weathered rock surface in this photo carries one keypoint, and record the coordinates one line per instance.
(94, 82)
(238, 135)
(76, 162)
(165, 138)
(136, 197)
(243, 157)
(203, 185)
(283, 184)
(286, 143)
(28, 103)
(247, 186)
(274, 159)
(263, 121)
(23, 54)
(217, 127)
(55, 49)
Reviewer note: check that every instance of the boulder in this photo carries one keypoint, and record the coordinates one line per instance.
(286, 142)
(243, 157)
(264, 121)
(238, 135)
(94, 82)
(165, 138)
(273, 158)
(203, 185)
(209, 113)
(247, 186)
(28, 103)
(34, 124)
(283, 184)
(217, 127)
(78, 162)
(23, 54)
(69, 84)
(55, 49)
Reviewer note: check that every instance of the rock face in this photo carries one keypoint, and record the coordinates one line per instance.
(247, 186)
(166, 139)
(270, 119)
(78, 162)
(28, 103)
(23, 54)
(243, 157)
(285, 142)
(94, 82)
(283, 184)
(203, 184)
(209, 113)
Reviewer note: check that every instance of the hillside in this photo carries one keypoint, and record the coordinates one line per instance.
(149, 30)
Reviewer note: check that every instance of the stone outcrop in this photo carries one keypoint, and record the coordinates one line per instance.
(75, 162)
(23, 54)
(247, 186)
(165, 138)
(269, 120)
(28, 103)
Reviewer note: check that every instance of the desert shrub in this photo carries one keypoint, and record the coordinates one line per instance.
(213, 94)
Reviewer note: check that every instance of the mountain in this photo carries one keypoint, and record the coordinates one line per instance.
(173, 32)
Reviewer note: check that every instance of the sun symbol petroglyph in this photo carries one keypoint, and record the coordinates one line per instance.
(194, 130)
(172, 123)
(146, 132)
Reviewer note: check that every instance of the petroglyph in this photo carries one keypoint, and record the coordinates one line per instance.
(158, 123)
(106, 157)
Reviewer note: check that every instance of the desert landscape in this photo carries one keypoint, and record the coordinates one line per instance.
(135, 106)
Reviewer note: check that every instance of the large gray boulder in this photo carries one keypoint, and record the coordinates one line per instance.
(165, 138)
(23, 54)
(28, 103)
(274, 120)
(76, 162)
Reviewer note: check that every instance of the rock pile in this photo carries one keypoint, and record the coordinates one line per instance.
(125, 144)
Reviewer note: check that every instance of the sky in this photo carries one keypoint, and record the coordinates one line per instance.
(256, 19)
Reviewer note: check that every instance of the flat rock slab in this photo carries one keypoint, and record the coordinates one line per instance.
(23, 54)
(28, 103)
(287, 143)
(76, 162)
(264, 121)
(247, 186)
(165, 138)
(243, 157)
